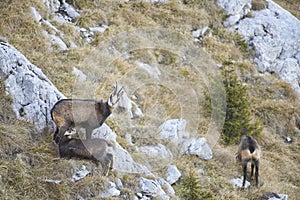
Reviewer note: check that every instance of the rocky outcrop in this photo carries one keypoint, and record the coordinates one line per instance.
(158, 151)
(173, 174)
(174, 130)
(32, 92)
(151, 188)
(197, 147)
(123, 161)
(274, 34)
(80, 173)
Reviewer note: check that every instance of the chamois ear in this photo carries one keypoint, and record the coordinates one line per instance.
(115, 95)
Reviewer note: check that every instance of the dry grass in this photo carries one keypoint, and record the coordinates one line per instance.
(290, 5)
(27, 158)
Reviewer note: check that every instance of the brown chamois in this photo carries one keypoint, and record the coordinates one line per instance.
(92, 149)
(87, 114)
(249, 150)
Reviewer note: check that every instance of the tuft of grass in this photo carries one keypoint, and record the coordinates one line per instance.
(192, 189)
(259, 4)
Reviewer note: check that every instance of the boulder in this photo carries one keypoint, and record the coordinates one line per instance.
(129, 106)
(173, 130)
(197, 147)
(110, 191)
(52, 5)
(80, 173)
(56, 40)
(173, 174)
(159, 151)
(35, 14)
(274, 34)
(199, 33)
(236, 9)
(32, 92)
(167, 187)
(274, 196)
(152, 188)
(68, 11)
(123, 161)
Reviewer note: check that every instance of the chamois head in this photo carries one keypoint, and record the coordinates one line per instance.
(115, 95)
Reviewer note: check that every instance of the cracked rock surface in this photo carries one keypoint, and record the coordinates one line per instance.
(32, 92)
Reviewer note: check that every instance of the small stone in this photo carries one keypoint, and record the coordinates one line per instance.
(151, 188)
(80, 174)
(173, 174)
(100, 29)
(79, 74)
(197, 147)
(111, 191)
(238, 182)
(173, 130)
(36, 15)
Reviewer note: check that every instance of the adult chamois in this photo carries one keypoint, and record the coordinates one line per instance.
(82, 113)
(92, 149)
(249, 150)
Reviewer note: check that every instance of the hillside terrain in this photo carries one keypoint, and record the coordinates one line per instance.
(172, 58)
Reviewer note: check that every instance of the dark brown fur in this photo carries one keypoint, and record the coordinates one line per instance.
(92, 149)
(249, 150)
(88, 114)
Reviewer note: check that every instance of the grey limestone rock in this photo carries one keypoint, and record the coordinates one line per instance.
(152, 188)
(32, 92)
(173, 174)
(274, 34)
(197, 147)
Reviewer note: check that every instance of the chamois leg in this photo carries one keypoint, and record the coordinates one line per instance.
(245, 171)
(256, 171)
(55, 134)
(60, 133)
(106, 164)
(252, 170)
(111, 159)
(105, 168)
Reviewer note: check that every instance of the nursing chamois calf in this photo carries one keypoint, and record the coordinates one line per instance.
(92, 149)
(87, 114)
(249, 150)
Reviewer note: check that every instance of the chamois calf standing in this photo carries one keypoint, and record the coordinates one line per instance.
(92, 149)
(87, 114)
(249, 150)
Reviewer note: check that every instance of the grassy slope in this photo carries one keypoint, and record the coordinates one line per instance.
(26, 159)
